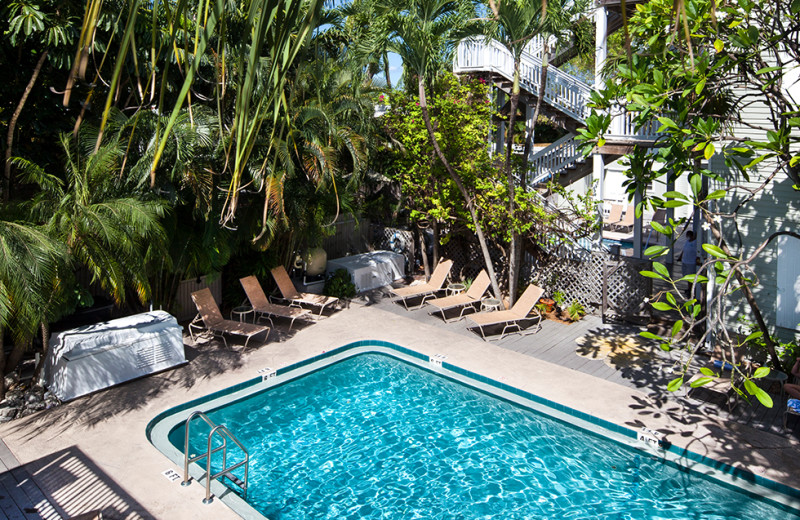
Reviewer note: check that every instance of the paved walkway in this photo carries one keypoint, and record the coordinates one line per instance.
(91, 453)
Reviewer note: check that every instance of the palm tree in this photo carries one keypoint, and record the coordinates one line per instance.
(517, 22)
(104, 231)
(246, 48)
(41, 28)
(30, 261)
(425, 33)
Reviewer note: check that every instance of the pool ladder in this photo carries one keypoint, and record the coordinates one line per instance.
(226, 471)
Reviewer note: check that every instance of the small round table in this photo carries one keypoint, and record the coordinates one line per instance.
(455, 288)
(241, 312)
(776, 377)
(490, 304)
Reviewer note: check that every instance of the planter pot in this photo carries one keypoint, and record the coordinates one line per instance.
(549, 303)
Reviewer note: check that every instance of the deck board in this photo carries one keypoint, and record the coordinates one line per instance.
(20, 497)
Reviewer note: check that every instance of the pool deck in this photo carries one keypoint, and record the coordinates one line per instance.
(92, 454)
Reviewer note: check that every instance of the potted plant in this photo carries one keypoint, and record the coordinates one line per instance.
(575, 311)
(340, 285)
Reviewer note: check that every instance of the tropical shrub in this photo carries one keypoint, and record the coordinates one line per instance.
(340, 284)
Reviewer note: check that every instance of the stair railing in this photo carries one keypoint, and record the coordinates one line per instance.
(564, 91)
(553, 159)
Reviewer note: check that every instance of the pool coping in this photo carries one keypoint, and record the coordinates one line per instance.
(727, 474)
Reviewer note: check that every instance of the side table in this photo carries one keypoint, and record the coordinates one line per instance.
(776, 377)
(455, 288)
(490, 304)
(240, 313)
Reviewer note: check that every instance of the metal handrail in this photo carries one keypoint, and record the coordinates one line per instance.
(224, 434)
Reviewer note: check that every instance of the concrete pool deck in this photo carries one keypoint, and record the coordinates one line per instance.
(92, 453)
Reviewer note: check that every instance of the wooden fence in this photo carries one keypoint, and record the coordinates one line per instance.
(350, 236)
(184, 306)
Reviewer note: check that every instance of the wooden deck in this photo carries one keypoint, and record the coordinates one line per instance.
(606, 355)
(20, 497)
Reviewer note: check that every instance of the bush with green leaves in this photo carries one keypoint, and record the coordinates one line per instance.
(340, 284)
(576, 311)
(699, 83)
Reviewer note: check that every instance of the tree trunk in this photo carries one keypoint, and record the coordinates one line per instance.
(436, 241)
(12, 123)
(2, 365)
(513, 267)
(15, 357)
(423, 251)
(460, 185)
(540, 96)
(386, 70)
(45, 328)
(748, 295)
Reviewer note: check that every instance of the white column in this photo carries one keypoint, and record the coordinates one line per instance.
(671, 237)
(600, 55)
(637, 227)
(529, 126)
(601, 45)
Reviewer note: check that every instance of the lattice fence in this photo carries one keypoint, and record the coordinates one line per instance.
(601, 282)
(578, 277)
(465, 252)
(624, 289)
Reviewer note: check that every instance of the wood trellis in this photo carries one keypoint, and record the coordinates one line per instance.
(624, 289)
(598, 280)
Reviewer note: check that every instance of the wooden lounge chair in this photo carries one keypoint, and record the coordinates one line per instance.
(614, 217)
(428, 289)
(465, 300)
(263, 308)
(290, 294)
(512, 317)
(626, 224)
(210, 318)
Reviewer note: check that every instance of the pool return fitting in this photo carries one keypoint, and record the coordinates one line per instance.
(227, 471)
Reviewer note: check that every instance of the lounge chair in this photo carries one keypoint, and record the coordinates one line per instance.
(626, 224)
(263, 308)
(290, 294)
(512, 317)
(428, 289)
(465, 300)
(614, 217)
(210, 318)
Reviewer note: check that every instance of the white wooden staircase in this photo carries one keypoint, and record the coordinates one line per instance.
(563, 93)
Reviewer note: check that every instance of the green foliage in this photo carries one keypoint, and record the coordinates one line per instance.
(340, 284)
(106, 228)
(461, 112)
(690, 80)
(576, 311)
(559, 297)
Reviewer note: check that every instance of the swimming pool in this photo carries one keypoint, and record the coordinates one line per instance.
(373, 436)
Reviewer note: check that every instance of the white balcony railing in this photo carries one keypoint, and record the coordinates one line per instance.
(622, 126)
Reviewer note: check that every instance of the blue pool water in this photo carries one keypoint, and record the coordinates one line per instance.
(372, 437)
(623, 244)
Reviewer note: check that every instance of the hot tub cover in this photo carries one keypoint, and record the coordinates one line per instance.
(90, 358)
